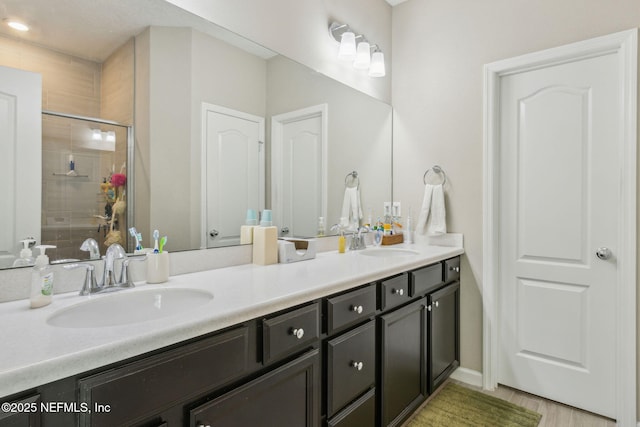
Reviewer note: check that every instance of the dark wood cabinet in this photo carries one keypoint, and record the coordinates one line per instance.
(365, 357)
(22, 413)
(444, 334)
(288, 396)
(402, 361)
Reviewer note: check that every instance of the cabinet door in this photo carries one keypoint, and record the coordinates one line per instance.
(403, 361)
(444, 333)
(24, 413)
(288, 396)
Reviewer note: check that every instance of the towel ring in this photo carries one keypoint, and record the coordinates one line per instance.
(354, 179)
(435, 169)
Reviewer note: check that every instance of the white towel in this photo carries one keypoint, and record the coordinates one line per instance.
(432, 218)
(351, 207)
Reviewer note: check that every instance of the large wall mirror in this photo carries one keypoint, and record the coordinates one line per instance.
(221, 124)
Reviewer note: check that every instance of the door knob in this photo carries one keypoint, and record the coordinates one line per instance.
(603, 253)
(213, 233)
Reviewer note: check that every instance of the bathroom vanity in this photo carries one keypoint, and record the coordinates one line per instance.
(344, 340)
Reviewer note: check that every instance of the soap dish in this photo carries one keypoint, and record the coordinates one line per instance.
(294, 250)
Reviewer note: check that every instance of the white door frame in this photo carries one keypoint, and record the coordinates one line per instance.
(277, 145)
(624, 44)
(206, 108)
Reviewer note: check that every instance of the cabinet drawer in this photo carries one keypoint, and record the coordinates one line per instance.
(351, 361)
(290, 332)
(347, 309)
(394, 291)
(145, 387)
(452, 269)
(286, 396)
(361, 413)
(23, 412)
(426, 279)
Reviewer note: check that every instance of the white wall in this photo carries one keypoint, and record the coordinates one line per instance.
(439, 50)
(300, 30)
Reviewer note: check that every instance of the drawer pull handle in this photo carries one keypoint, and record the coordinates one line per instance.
(357, 365)
(397, 291)
(456, 269)
(298, 333)
(357, 309)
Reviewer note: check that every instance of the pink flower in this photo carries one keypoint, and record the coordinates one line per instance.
(118, 179)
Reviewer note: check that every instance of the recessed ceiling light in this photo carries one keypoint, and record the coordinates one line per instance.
(16, 25)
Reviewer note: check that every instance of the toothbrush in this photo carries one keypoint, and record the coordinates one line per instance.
(139, 240)
(163, 242)
(134, 233)
(156, 236)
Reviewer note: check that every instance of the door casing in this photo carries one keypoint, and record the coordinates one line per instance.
(624, 44)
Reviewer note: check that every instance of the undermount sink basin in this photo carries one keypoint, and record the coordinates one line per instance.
(388, 252)
(128, 307)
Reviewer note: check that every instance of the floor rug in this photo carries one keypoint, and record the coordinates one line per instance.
(456, 405)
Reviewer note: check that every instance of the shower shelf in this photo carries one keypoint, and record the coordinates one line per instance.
(70, 176)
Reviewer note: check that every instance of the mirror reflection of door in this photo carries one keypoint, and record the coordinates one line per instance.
(234, 177)
(299, 187)
(20, 139)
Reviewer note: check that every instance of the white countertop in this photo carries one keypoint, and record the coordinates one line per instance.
(34, 353)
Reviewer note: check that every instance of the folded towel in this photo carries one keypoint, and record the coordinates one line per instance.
(351, 207)
(432, 218)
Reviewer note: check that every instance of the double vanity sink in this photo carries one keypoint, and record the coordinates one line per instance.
(78, 334)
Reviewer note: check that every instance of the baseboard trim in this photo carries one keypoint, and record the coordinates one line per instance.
(469, 376)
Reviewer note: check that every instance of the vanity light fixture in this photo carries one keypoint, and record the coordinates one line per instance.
(17, 25)
(96, 134)
(111, 136)
(361, 56)
(377, 68)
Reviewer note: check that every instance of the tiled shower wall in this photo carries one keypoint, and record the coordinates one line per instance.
(79, 87)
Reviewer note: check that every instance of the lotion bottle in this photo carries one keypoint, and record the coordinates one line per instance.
(246, 231)
(265, 241)
(41, 279)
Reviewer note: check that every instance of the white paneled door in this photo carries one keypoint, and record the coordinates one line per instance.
(560, 157)
(233, 172)
(20, 159)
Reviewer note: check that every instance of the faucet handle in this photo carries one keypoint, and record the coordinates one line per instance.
(125, 279)
(90, 283)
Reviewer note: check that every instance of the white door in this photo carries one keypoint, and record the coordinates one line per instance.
(560, 161)
(233, 172)
(299, 165)
(20, 159)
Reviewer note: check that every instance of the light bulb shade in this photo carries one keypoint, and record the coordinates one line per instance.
(377, 68)
(363, 56)
(111, 136)
(347, 49)
(96, 134)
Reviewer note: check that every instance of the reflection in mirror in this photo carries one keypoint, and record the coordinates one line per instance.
(181, 66)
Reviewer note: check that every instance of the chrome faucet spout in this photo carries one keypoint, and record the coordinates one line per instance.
(90, 245)
(114, 252)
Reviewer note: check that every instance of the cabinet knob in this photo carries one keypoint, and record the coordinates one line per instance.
(456, 269)
(436, 303)
(357, 309)
(298, 333)
(357, 365)
(397, 292)
(204, 425)
(428, 307)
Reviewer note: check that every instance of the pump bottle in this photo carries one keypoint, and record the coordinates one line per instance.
(41, 279)
(26, 256)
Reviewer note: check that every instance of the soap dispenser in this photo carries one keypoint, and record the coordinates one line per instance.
(265, 241)
(26, 256)
(41, 279)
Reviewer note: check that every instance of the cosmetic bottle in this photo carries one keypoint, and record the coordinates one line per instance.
(246, 231)
(265, 241)
(41, 279)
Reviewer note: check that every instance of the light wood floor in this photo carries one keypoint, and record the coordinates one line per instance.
(554, 414)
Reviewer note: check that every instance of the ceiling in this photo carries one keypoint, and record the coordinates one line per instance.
(93, 29)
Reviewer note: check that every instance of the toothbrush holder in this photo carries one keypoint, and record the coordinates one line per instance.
(157, 267)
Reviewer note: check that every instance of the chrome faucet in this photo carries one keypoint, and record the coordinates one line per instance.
(114, 252)
(357, 239)
(90, 245)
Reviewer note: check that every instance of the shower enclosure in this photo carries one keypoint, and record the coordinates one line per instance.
(85, 181)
